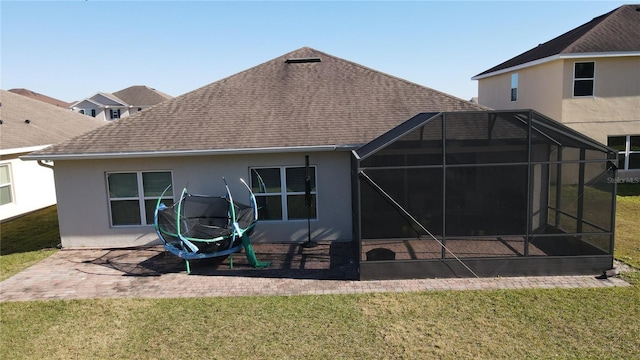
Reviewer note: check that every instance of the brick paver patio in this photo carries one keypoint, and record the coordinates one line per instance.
(150, 273)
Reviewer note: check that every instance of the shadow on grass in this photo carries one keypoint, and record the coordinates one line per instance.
(35, 231)
(629, 189)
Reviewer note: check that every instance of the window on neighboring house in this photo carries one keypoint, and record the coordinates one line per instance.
(133, 195)
(514, 87)
(280, 192)
(628, 150)
(81, 111)
(6, 189)
(93, 112)
(115, 114)
(583, 78)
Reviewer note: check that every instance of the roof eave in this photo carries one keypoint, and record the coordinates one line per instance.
(181, 153)
(558, 57)
(75, 104)
(27, 149)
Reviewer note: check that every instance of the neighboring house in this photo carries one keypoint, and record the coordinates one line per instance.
(28, 125)
(38, 96)
(120, 104)
(587, 79)
(261, 122)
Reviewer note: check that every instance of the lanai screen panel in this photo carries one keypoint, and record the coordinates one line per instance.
(581, 193)
(484, 185)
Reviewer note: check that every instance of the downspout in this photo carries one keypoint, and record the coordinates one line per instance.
(42, 163)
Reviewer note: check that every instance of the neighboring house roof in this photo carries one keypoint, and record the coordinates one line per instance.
(615, 32)
(140, 95)
(38, 96)
(47, 124)
(137, 95)
(303, 99)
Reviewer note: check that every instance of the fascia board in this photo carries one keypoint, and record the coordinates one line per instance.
(22, 150)
(154, 154)
(558, 57)
(518, 67)
(108, 96)
(87, 100)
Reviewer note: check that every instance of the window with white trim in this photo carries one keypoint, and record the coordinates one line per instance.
(583, 78)
(6, 187)
(628, 147)
(281, 192)
(514, 87)
(133, 195)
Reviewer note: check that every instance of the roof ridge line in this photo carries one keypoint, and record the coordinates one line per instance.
(112, 96)
(605, 17)
(395, 77)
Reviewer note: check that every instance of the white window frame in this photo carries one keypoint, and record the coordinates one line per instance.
(8, 184)
(514, 86)
(140, 198)
(627, 149)
(593, 79)
(283, 191)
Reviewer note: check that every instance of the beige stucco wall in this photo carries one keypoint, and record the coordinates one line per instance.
(33, 187)
(615, 108)
(84, 212)
(539, 88)
(548, 89)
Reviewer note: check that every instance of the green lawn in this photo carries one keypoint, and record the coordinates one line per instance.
(533, 323)
(576, 323)
(28, 239)
(627, 246)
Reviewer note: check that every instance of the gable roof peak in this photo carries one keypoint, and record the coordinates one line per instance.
(274, 106)
(617, 31)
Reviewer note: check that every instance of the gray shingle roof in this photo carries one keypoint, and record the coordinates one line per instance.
(615, 31)
(48, 124)
(276, 104)
(38, 96)
(140, 95)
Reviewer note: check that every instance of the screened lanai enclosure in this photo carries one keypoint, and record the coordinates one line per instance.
(496, 193)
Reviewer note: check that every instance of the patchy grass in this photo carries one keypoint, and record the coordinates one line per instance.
(14, 263)
(627, 246)
(28, 239)
(542, 323)
(35, 231)
(632, 277)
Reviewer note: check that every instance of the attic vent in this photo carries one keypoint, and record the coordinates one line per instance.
(27, 121)
(1, 122)
(302, 60)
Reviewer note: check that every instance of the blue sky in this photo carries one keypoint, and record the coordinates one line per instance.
(71, 50)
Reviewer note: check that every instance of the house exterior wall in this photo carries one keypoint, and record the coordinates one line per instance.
(87, 106)
(33, 187)
(615, 107)
(614, 110)
(103, 113)
(83, 208)
(539, 88)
